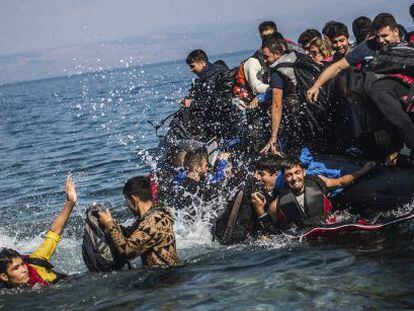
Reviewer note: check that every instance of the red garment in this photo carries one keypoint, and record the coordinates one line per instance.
(34, 277)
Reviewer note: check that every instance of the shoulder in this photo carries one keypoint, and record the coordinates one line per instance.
(319, 180)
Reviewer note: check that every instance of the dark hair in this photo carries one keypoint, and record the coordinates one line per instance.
(362, 28)
(384, 20)
(139, 186)
(412, 10)
(6, 258)
(403, 32)
(269, 163)
(337, 29)
(174, 153)
(290, 162)
(274, 44)
(325, 28)
(308, 35)
(267, 25)
(195, 157)
(196, 56)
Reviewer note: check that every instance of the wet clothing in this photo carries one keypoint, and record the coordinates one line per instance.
(309, 208)
(298, 126)
(211, 110)
(386, 94)
(39, 274)
(151, 237)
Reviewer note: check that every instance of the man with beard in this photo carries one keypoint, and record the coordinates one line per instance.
(304, 199)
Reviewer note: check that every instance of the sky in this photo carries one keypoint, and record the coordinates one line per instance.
(41, 24)
(46, 38)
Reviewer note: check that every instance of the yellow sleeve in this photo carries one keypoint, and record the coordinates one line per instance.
(48, 247)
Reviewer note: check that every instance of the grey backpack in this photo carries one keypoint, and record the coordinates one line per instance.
(98, 253)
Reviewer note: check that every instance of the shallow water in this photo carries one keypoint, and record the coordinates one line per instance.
(95, 126)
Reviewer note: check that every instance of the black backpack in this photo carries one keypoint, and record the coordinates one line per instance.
(99, 255)
(238, 221)
(393, 59)
(317, 115)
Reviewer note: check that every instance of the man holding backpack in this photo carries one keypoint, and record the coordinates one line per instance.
(151, 236)
(293, 125)
(389, 91)
(35, 269)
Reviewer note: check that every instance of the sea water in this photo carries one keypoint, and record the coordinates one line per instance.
(95, 127)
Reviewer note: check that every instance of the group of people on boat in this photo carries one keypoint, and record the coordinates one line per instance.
(251, 129)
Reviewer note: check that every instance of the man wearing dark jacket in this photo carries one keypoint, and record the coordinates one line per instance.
(210, 96)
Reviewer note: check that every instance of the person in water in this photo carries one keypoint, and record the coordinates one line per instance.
(304, 200)
(385, 93)
(210, 98)
(18, 270)
(152, 235)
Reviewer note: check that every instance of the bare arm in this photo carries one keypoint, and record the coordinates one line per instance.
(276, 112)
(60, 221)
(348, 179)
(328, 74)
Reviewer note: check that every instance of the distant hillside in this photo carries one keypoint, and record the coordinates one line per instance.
(170, 44)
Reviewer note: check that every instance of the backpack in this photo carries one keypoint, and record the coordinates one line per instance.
(97, 252)
(237, 222)
(393, 59)
(306, 72)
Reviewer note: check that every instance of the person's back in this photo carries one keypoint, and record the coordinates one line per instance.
(152, 235)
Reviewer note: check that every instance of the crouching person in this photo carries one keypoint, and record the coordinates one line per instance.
(151, 236)
(18, 270)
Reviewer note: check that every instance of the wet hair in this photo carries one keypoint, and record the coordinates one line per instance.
(412, 10)
(269, 163)
(6, 258)
(290, 162)
(323, 47)
(174, 154)
(140, 187)
(194, 158)
(337, 29)
(274, 44)
(384, 20)
(267, 25)
(196, 56)
(403, 32)
(362, 28)
(308, 35)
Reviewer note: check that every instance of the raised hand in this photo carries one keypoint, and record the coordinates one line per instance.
(71, 195)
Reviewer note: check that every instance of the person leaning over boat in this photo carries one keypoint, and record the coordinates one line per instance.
(385, 93)
(28, 270)
(151, 236)
(304, 199)
(290, 120)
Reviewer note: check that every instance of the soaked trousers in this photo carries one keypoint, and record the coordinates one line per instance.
(385, 94)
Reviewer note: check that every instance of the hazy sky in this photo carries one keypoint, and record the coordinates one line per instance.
(40, 24)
